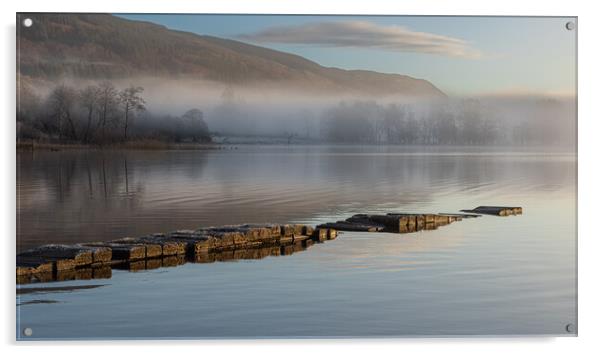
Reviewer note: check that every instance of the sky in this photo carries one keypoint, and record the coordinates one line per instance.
(460, 55)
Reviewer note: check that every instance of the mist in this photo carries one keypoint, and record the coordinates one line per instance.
(279, 113)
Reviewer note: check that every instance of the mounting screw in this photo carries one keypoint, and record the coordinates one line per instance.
(570, 25)
(27, 332)
(569, 328)
(27, 22)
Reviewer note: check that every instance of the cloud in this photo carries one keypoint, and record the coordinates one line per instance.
(362, 34)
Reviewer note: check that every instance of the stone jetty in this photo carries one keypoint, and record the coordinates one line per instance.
(395, 222)
(249, 241)
(495, 210)
(96, 259)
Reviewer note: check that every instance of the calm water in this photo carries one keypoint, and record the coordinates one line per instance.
(487, 276)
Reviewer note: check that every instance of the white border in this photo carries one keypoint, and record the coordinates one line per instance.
(590, 95)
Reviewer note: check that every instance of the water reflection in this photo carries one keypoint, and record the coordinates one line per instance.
(33, 302)
(76, 196)
(48, 289)
(487, 276)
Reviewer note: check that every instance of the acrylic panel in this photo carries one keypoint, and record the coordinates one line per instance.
(295, 176)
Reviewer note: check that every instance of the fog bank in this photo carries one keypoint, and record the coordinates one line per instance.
(281, 113)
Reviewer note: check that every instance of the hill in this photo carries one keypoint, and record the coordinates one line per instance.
(102, 46)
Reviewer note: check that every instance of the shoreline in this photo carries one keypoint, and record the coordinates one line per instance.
(130, 145)
(157, 145)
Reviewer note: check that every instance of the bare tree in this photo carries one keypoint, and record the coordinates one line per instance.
(62, 102)
(89, 98)
(194, 122)
(132, 102)
(107, 100)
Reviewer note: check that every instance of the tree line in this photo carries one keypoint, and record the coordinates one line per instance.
(101, 114)
(467, 122)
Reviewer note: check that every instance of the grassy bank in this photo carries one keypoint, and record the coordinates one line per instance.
(129, 145)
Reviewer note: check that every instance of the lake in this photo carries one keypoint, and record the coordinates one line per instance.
(491, 275)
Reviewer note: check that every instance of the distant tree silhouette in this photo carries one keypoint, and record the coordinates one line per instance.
(89, 98)
(62, 102)
(131, 102)
(107, 101)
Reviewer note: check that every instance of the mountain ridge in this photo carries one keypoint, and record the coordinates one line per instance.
(103, 46)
